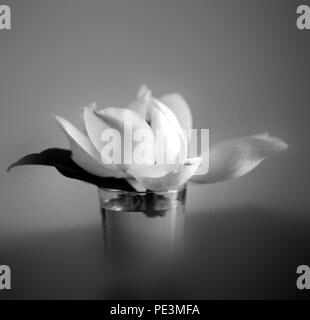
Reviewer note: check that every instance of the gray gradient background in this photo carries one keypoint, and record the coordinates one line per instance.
(243, 67)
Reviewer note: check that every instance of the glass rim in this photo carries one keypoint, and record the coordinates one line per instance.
(133, 193)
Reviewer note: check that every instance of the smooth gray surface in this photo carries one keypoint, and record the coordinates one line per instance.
(242, 65)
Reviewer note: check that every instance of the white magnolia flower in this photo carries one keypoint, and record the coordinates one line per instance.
(171, 114)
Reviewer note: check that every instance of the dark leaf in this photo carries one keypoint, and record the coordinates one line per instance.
(62, 161)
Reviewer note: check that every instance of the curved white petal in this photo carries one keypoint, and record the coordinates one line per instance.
(140, 105)
(165, 177)
(178, 105)
(92, 106)
(129, 124)
(94, 127)
(163, 119)
(235, 158)
(83, 152)
(143, 90)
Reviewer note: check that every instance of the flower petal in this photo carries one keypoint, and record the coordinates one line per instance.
(178, 105)
(235, 158)
(143, 90)
(127, 123)
(92, 106)
(140, 105)
(165, 177)
(163, 118)
(83, 152)
(94, 127)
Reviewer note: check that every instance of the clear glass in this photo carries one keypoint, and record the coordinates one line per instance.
(142, 227)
